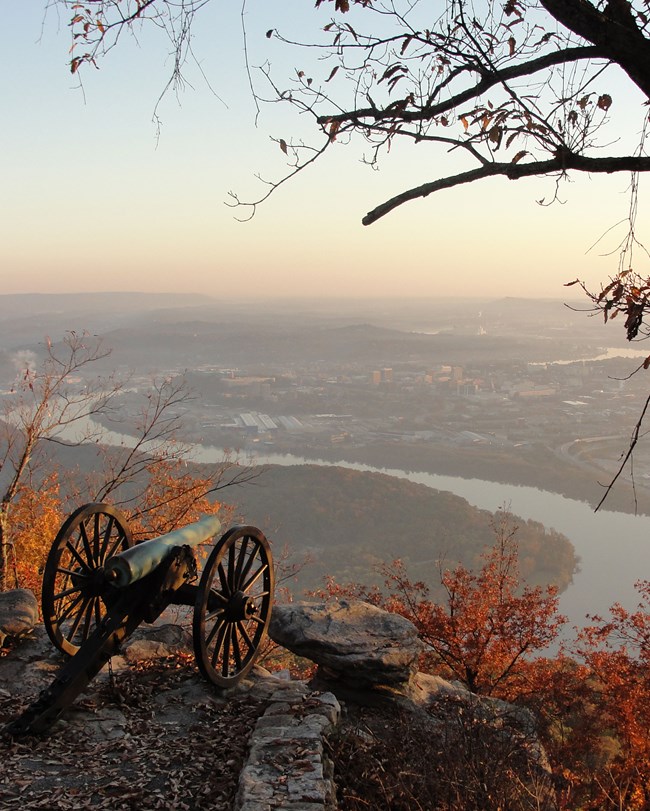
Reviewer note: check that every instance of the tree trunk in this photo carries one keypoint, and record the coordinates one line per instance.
(614, 30)
(4, 552)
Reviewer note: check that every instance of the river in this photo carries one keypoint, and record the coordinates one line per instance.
(614, 548)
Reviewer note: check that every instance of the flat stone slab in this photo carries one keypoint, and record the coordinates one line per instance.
(355, 643)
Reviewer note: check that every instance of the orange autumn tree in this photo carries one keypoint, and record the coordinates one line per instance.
(50, 397)
(617, 653)
(173, 498)
(149, 479)
(35, 520)
(487, 624)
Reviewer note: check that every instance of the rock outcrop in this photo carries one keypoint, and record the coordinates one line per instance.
(18, 613)
(364, 656)
(368, 656)
(357, 646)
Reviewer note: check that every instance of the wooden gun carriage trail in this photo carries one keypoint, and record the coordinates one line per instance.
(98, 587)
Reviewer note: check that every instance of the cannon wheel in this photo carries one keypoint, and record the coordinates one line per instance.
(73, 583)
(233, 605)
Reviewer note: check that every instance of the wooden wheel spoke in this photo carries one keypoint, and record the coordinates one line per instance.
(254, 578)
(98, 610)
(73, 573)
(214, 614)
(218, 595)
(119, 542)
(67, 592)
(244, 633)
(88, 620)
(68, 609)
(215, 628)
(75, 554)
(218, 646)
(259, 595)
(107, 537)
(225, 659)
(241, 558)
(86, 543)
(231, 569)
(96, 537)
(249, 565)
(77, 620)
(225, 587)
(235, 647)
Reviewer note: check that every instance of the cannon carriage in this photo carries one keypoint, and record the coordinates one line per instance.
(98, 587)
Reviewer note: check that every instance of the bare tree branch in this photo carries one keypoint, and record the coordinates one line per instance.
(513, 171)
(628, 455)
(489, 79)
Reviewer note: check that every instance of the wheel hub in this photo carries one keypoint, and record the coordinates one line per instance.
(240, 607)
(91, 584)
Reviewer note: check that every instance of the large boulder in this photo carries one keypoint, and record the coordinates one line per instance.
(356, 645)
(18, 613)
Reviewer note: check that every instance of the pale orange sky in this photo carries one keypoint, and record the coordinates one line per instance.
(90, 202)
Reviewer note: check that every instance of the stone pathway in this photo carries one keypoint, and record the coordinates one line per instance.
(287, 767)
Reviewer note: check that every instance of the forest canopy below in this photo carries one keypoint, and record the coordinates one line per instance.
(350, 521)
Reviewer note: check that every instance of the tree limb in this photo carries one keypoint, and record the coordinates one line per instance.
(628, 455)
(514, 171)
(488, 80)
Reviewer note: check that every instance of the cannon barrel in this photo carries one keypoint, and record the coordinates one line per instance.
(138, 561)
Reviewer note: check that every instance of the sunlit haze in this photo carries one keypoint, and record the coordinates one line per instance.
(94, 200)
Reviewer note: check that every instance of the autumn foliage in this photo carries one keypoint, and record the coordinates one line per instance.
(592, 702)
(35, 520)
(486, 625)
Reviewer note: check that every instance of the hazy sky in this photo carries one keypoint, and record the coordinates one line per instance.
(93, 201)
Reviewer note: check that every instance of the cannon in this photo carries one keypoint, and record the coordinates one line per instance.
(98, 587)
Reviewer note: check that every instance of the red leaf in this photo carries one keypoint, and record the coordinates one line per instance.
(605, 101)
(283, 146)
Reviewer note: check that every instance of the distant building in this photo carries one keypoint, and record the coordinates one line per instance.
(254, 386)
(382, 376)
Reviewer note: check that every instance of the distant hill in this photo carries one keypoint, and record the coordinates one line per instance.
(348, 521)
(25, 319)
(193, 343)
(159, 331)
